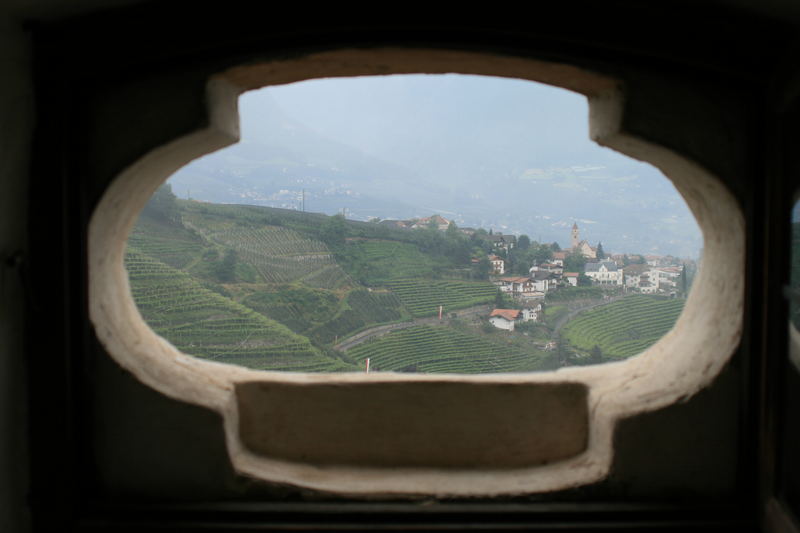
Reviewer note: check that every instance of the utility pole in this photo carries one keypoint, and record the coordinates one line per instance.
(304, 200)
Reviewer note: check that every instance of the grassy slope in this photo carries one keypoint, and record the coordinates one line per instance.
(322, 314)
(623, 328)
(278, 254)
(376, 262)
(291, 294)
(203, 323)
(423, 297)
(445, 350)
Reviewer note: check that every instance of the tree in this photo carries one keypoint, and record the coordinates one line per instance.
(600, 253)
(574, 262)
(452, 231)
(555, 247)
(481, 269)
(226, 269)
(499, 300)
(584, 280)
(334, 230)
(163, 205)
(523, 243)
(682, 283)
(596, 355)
(542, 253)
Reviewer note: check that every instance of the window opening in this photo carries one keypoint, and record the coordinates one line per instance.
(588, 400)
(420, 224)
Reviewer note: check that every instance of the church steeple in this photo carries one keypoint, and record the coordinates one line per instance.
(575, 235)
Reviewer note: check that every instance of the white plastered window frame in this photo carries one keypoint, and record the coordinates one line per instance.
(438, 435)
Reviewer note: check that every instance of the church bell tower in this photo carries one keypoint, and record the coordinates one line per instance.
(575, 237)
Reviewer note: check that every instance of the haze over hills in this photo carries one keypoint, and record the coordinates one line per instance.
(486, 152)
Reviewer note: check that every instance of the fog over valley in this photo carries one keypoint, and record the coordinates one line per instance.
(508, 155)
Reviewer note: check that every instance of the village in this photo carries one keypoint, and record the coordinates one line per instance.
(581, 265)
(619, 273)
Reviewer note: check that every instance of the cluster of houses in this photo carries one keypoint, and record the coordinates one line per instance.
(654, 275)
(650, 275)
(499, 241)
(438, 221)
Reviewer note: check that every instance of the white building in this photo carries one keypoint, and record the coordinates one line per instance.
(497, 265)
(604, 273)
(505, 318)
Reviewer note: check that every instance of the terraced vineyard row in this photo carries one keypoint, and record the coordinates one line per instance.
(623, 328)
(443, 350)
(423, 297)
(172, 245)
(282, 255)
(377, 262)
(366, 308)
(205, 324)
(279, 255)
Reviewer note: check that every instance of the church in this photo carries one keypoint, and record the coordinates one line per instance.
(582, 246)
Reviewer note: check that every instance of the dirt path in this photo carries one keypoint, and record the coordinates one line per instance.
(379, 331)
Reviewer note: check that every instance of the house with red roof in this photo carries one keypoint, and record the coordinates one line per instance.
(505, 318)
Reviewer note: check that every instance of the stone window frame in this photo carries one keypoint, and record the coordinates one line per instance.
(516, 458)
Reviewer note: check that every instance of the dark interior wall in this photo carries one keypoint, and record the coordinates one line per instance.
(141, 89)
(16, 126)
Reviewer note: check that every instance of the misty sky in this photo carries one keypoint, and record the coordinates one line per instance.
(441, 121)
(498, 153)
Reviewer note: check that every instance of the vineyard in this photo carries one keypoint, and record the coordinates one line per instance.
(296, 306)
(444, 350)
(170, 244)
(257, 287)
(364, 308)
(278, 254)
(205, 324)
(378, 262)
(623, 328)
(423, 297)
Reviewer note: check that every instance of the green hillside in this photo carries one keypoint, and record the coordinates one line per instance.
(423, 297)
(445, 350)
(623, 328)
(378, 262)
(278, 254)
(206, 324)
(286, 290)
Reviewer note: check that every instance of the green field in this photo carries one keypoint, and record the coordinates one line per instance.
(284, 275)
(173, 245)
(205, 324)
(277, 289)
(623, 328)
(379, 262)
(278, 254)
(423, 297)
(362, 309)
(444, 350)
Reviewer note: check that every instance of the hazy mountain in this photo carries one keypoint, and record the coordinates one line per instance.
(506, 154)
